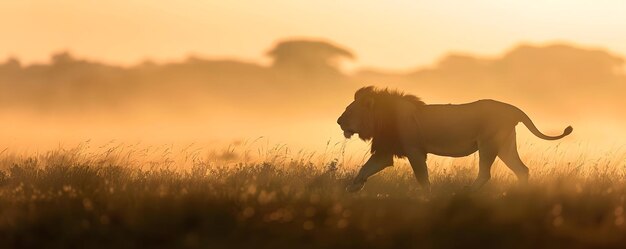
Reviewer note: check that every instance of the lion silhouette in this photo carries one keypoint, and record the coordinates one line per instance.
(402, 125)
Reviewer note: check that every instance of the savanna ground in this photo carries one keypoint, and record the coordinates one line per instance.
(118, 196)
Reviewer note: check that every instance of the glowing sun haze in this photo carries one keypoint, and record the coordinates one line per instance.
(387, 34)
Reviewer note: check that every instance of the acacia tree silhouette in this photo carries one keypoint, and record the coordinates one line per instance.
(308, 57)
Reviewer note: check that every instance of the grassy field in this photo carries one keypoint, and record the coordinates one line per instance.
(115, 198)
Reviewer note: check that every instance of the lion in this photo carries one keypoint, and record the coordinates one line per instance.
(401, 125)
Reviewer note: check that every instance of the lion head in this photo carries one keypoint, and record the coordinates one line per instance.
(358, 116)
(373, 115)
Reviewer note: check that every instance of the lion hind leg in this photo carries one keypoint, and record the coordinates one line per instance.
(487, 155)
(509, 155)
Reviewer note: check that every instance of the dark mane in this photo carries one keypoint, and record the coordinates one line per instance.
(386, 94)
(386, 136)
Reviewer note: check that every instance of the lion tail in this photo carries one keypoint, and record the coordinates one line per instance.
(531, 126)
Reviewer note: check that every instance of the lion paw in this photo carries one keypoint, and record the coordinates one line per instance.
(355, 187)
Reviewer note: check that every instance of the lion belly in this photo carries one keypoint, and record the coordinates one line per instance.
(453, 150)
(453, 144)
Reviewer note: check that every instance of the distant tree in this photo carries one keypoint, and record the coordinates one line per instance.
(9, 69)
(12, 63)
(308, 57)
(63, 57)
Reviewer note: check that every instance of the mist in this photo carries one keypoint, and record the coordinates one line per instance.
(297, 97)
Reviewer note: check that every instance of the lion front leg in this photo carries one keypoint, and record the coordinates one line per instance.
(375, 164)
(420, 169)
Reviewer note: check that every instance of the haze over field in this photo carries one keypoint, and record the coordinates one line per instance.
(297, 98)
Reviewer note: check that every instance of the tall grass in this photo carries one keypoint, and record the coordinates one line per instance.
(245, 196)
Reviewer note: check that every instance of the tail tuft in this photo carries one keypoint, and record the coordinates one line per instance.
(568, 130)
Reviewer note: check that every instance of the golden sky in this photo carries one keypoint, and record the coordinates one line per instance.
(385, 34)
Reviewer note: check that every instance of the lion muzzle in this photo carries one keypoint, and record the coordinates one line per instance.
(348, 134)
